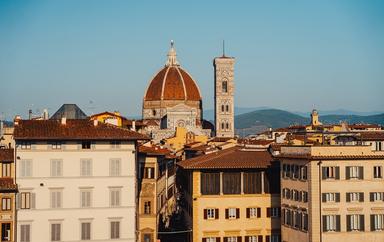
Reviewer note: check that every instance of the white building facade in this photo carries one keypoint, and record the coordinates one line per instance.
(75, 188)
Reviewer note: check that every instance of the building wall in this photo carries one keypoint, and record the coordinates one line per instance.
(223, 227)
(100, 214)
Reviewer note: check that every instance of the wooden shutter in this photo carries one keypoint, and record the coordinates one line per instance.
(361, 172)
(217, 214)
(260, 238)
(217, 239)
(204, 239)
(324, 173)
(337, 197)
(248, 215)
(33, 200)
(225, 239)
(362, 224)
(324, 223)
(337, 170)
(267, 238)
(338, 223)
(348, 197)
(226, 213)
(246, 239)
(372, 222)
(18, 200)
(347, 172)
(237, 212)
(239, 238)
(323, 197)
(205, 213)
(258, 212)
(371, 196)
(348, 222)
(361, 196)
(268, 212)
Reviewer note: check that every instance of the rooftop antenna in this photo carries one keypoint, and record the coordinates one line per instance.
(223, 48)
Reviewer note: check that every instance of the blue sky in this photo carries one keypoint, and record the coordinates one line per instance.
(292, 55)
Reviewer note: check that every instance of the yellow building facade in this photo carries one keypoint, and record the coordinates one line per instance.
(232, 196)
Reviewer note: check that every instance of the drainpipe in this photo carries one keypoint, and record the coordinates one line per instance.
(321, 219)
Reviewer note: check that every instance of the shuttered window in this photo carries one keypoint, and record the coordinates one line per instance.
(253, 212)
(26, 200)
(6, 170)
(354, 172)
(115, 195)
(210, 183)
(85, 167)
(252, 182)
(115, 230)
(114, 167)
(55, 232)
(331, 223)
(56, 168)
(56, 198)
(25, 168)
(376, 196)
(377, 222)
(25, 233)
(86, 198)
(231, 182)
(355, 222)
(6, 204)
(86, 231)
(254, 238)
(330, 172)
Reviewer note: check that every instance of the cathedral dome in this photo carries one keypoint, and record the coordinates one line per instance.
(172, 83)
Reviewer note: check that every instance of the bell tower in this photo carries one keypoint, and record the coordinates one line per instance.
(224, 96)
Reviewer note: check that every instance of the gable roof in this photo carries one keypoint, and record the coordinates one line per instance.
(231, 158)
(69, 111)
(73, 129)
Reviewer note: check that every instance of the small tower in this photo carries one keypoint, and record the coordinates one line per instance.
(224, 96)
(315, 118)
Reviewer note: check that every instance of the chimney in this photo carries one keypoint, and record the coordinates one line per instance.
(133, 125)
(45, 114)
(16, 120)
(30, 114)
(63, 120)
(95, 122)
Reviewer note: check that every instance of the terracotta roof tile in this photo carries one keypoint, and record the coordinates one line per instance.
(329, 157)
(154, 150)
(74, 129)
(231, 158)
(371, 136)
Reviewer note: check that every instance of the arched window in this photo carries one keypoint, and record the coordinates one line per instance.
(222, 125)
(227, 125)
(222, 108)
(227, 108)
(225, 86)
(154, 112)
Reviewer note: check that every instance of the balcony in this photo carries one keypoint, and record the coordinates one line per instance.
(7, 185)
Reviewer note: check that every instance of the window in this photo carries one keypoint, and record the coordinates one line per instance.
(331, 172)
(147, 207)
(6, 204)
(331, 223)
(376, 196)
(210, 183)
(232, 239)
(26, 200)
(210, 239)
(232, 213)
(85, 167)
(303, 173)
(114, 196)
(295, 195)
(378, 146)
(56, 198)
(211, 213)
(304, 196)
(304, 225)
(231, 182)
(115, 144)
(355, 197)
(25, 233)
(85, 198)
(273, 238)
(254, 238)
(253, 212)
(355, 222)
(377, 222)
(115, 230)
(252, 182)
(86, 145)
(222, 125)
(227, 125)
(286, 193)
(86, 231)
(114, 167)
(149, 172)
(222, 108)
(227, 108)
(25, 145)
(224, 85)
(55, 232)
(6, 169)
(377, 172)
(273, 212)
(147, 238)
(354, 172)
(56, 168)
(25, 168)
(6, 232)
(56, 146)
(330, 197)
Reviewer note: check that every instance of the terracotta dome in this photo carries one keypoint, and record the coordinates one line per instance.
(172, 83)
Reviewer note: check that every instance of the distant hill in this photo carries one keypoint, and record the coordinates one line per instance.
(260, 120)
